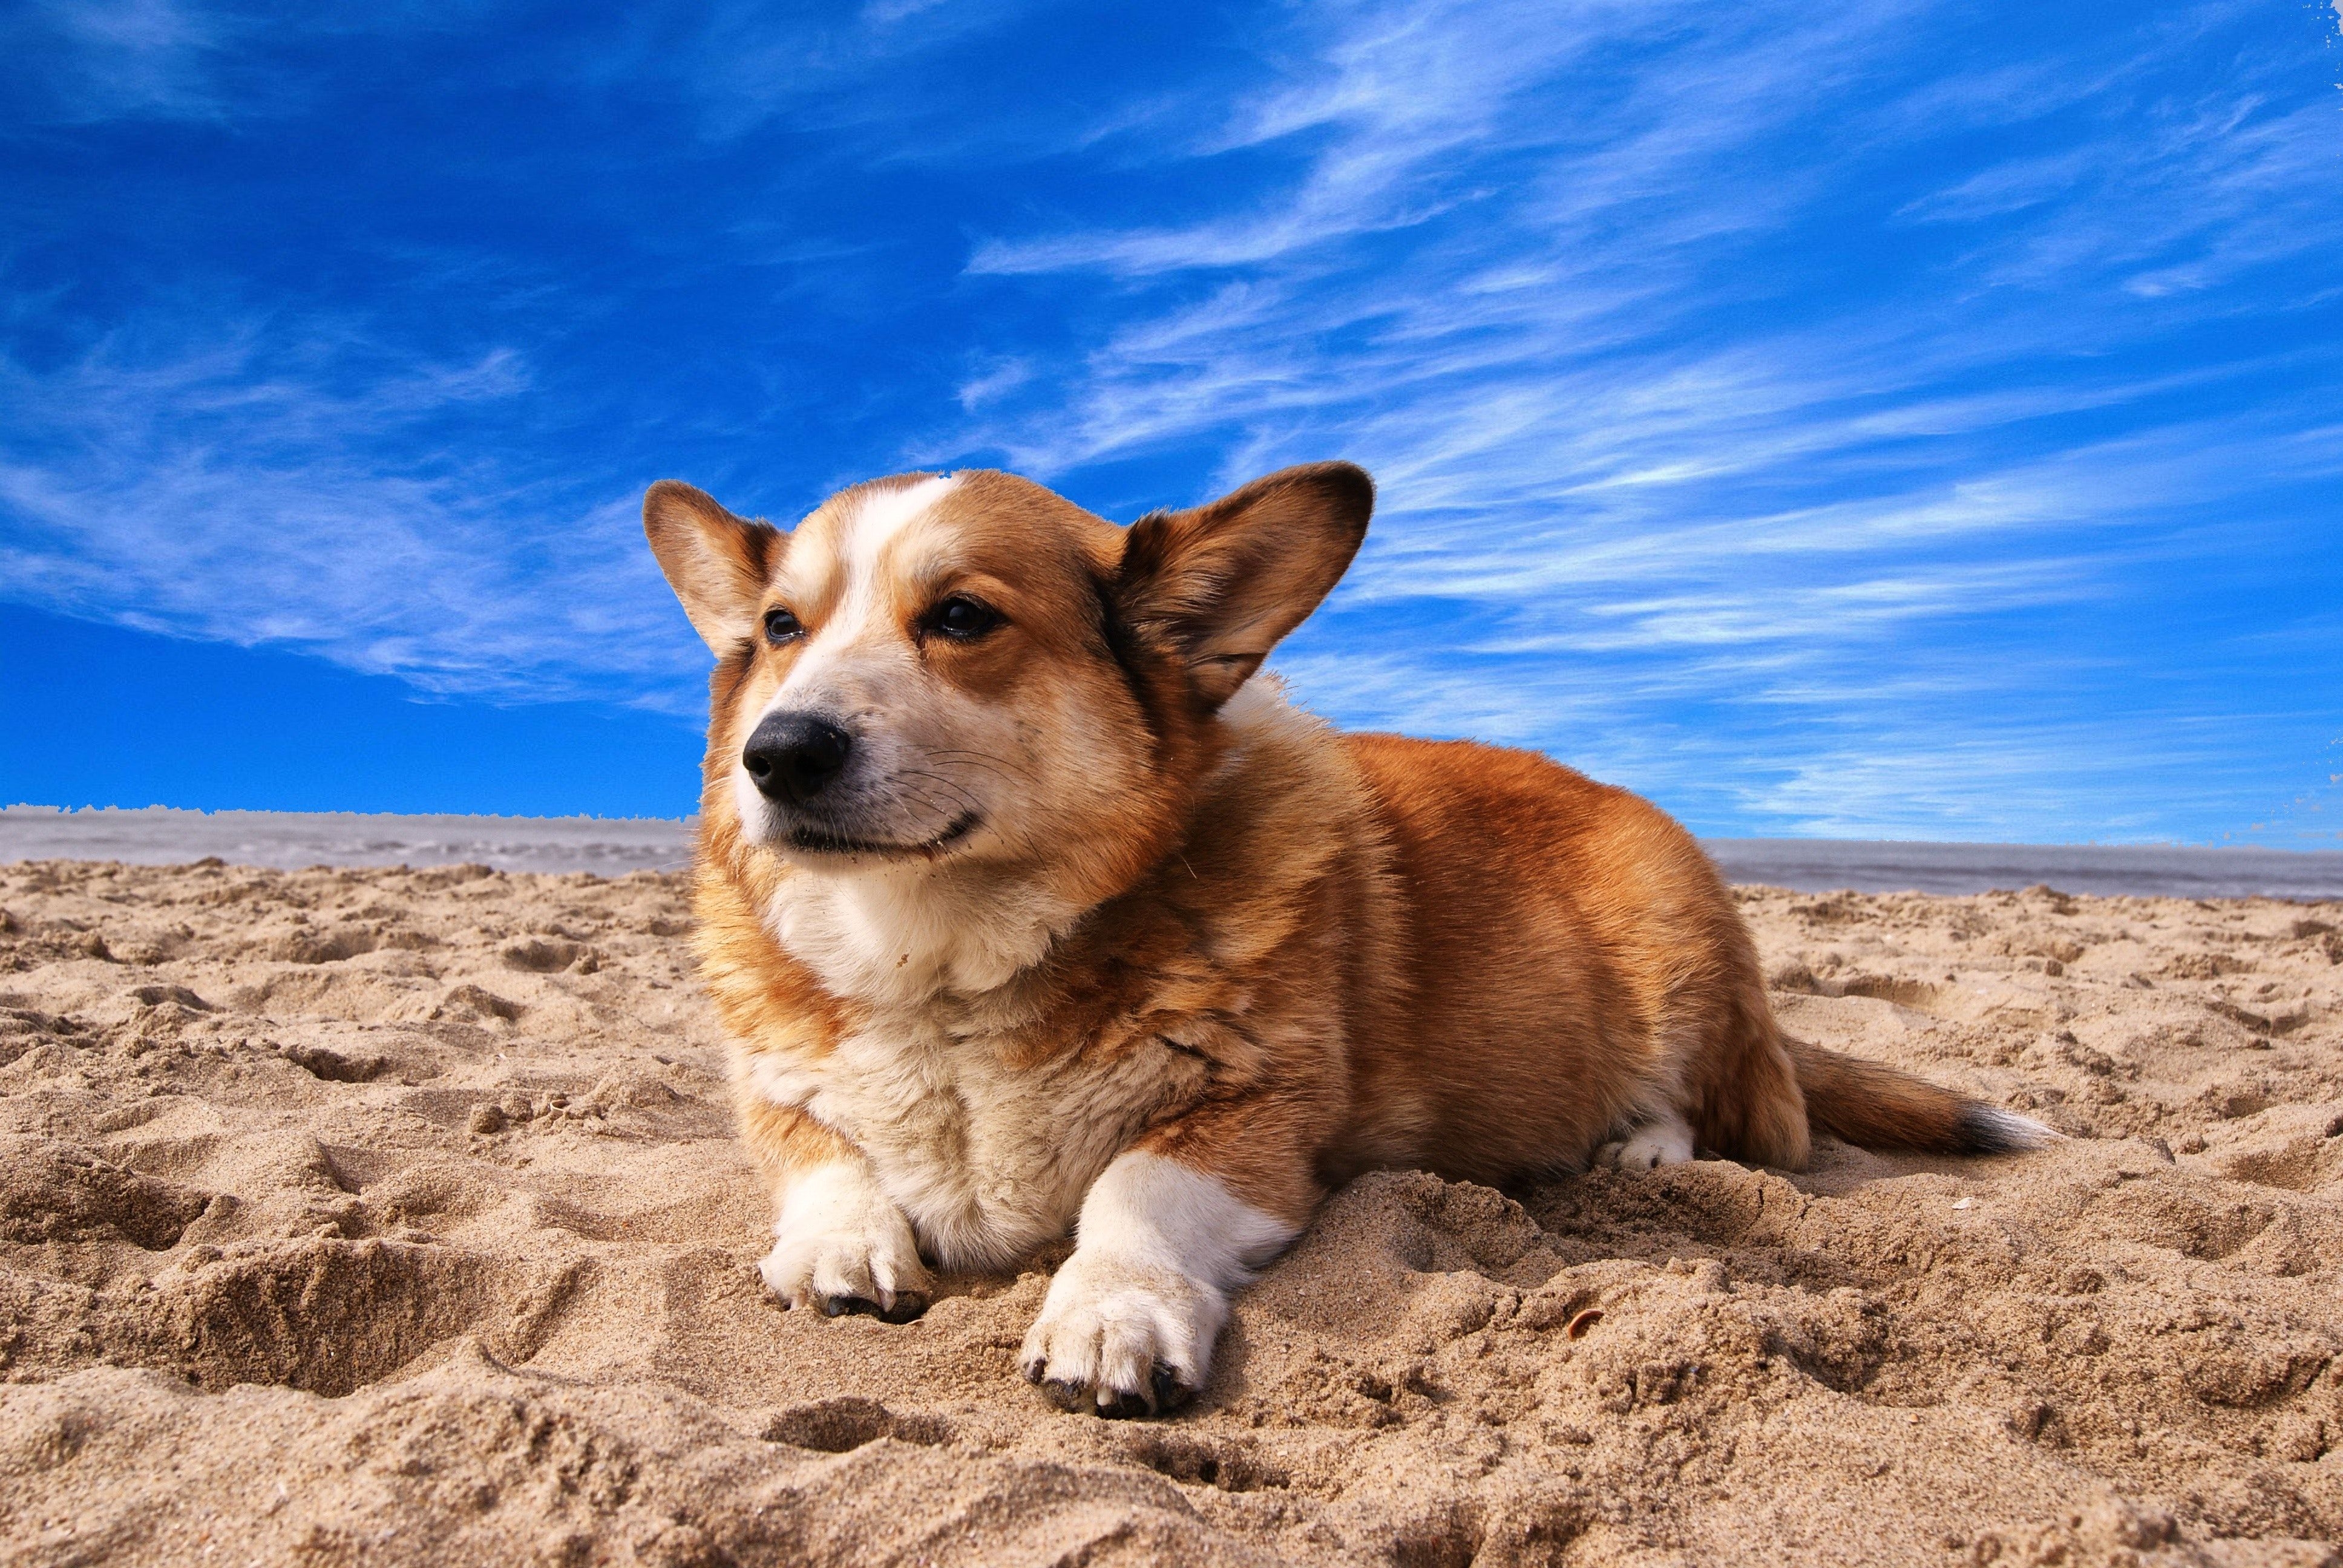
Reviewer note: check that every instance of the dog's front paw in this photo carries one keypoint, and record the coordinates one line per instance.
(841, 1246)
(1123, 1337)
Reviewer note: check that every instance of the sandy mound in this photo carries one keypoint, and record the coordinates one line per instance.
(393, 1216)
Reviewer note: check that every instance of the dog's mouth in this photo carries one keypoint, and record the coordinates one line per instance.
(821, 842)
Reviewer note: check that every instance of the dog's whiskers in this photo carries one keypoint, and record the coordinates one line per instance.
(968, 801)
(983, 759)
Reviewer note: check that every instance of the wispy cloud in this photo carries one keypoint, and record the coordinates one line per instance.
(108, 58)
(87, 62)
(744, 65)
(236, 490)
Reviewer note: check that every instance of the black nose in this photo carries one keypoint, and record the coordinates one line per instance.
(793, 756)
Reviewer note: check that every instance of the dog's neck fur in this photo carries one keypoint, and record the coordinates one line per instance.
(907, 935)
(902, 935)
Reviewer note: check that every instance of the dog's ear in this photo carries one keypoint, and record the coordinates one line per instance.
(718, 564)
(1221, 584)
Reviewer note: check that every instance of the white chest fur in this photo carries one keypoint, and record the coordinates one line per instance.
(902, 935)
(987, 1156)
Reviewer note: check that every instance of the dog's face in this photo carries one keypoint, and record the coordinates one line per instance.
(970, 668)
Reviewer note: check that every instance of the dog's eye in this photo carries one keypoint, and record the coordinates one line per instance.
(780, 625)
(962, 620)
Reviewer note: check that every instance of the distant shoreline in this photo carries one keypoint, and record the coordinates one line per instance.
(609, 846)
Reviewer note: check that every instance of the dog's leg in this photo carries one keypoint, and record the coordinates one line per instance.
(1129, 1325)
(1665, 1140)
(839, 1242)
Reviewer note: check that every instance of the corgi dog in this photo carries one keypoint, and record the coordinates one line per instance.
(1027, 903)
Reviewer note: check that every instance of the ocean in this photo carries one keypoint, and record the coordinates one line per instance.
(612, 846)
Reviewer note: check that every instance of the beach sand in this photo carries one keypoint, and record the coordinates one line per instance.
(392, 1217)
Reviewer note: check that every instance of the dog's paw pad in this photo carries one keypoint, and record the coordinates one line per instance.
(907, 1306)
(1170, 1394)
(1123, 1406)
(1164, 1393)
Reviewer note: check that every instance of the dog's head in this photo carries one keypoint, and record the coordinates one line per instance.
(971, 669)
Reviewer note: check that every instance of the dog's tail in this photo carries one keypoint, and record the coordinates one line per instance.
(1876, 1106)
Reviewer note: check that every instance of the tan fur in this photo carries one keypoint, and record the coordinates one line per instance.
(1191, 921)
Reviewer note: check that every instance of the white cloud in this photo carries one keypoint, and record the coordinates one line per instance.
(1001, 376)
(233, 489)
(81, 62)
(101, 59)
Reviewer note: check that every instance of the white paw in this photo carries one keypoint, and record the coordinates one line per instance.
(1129, 1324)
(841, 1246)
(1122, 1336)
(1665, 1140)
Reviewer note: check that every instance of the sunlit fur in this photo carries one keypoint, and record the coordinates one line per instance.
(1191, 922)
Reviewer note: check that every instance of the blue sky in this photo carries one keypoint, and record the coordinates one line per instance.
(1899, 420)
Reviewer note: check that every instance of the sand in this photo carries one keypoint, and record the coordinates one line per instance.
(392, 1217)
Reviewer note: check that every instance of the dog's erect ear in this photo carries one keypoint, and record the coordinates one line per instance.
(716, 563)
(1224, 582)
